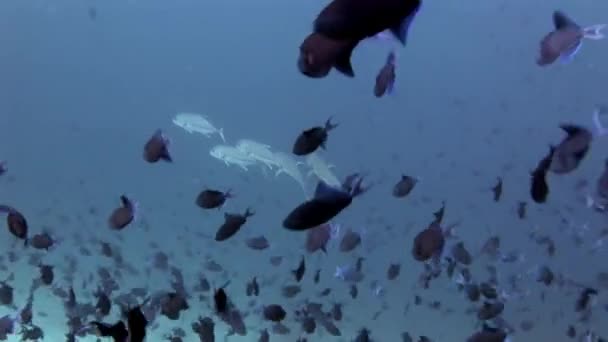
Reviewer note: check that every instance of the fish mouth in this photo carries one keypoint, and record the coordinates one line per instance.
(308, 70)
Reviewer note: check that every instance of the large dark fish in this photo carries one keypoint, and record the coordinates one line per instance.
(356, 20)
(342, 24)
(318, 54)
(571, 151)
(326, 204)
(565, 40)
(118, 332)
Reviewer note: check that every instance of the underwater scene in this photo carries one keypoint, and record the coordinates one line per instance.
(303, 171)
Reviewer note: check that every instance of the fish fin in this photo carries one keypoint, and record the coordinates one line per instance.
(221, 133)
(401, 30)
(343, 64)
(568, 56)
(561, 21)
(594, 32)
(279, 171)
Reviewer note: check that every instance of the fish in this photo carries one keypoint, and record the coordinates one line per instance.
(257, 151)
(123, 215)
(3, 167)
(385, 80)
(311, 139)
(232, 224)
(539, 189)
(571, 150)
(16, 222)
(193, 122)
(232, 156)
(319, 54)
(404, 186)
(322, 170)
(566, 39)
(343, 24)
(289, 166)
(212, 199)
(326, 204)
(157, 148)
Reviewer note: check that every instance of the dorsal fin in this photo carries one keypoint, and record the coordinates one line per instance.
(562, 21)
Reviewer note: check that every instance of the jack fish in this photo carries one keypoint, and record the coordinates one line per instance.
(289, 166)
(230, 155)
(322, 170)
(193, 122)
(258, 151)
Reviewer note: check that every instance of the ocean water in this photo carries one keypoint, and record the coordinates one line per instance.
(79, 97)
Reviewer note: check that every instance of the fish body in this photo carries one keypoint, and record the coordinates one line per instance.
(385, 80)
(311, 139)
(193, 122)
(322, 170)
(258, 151)
(289, 166)
(157, 148)
(231, 155)
(571, 150)
(566, 39)
(319, 54)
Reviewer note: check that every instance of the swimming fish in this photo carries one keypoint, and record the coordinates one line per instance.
(342, 24)
(193, 122)
(385, 80)
(565, 41)
(232, 156)
(258, 151)
(320, 168)
(289, 166)
(311, 139)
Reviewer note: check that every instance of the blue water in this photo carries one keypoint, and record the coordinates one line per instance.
(79, 98)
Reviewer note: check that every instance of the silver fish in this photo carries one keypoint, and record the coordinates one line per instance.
(289, 166)
(322, 170)
(230, 155)
(258, 151)
(193, 122)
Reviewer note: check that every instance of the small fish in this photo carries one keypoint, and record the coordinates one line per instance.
(539, 189)
(274, 313)
(565, 41)
(497, 190)
(298, 273)
(123, 215)
(385, 80)
(257, 243)
(521, 209)
(16, 222)
(212, 199)
(311, 139)
(570, 152)
(428, 243)
(157, 148)
(3, 167)
(350, 241)
(232, 224)
(404, 186)
(194, 122)
(326, 204)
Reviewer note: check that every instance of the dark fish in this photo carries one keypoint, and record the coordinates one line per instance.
(570, 152)
(405, 185)
(253, 288)
(47, 275)
(461, 254)
(257, 243)
(123, 215)
(311, 139)
(16, 222)
(582, 303)
(3, 167)
(317, 276)
(274, 313)
(360, 19)
(319, 54)
(212, 199)
(363, 336)
(488, 334)
(232, 224)
(137, 323)
(220, 300)
(157, 148)
(326, 204)
(497, 190)
(565, 40)
(539, 189)
(385, 80)
(41, 241)
(428, 243)
(118, 332)
(350, 241)
(393, 271)
(298, 273)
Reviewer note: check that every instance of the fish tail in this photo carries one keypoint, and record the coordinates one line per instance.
(594, 32)
(221, 133)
